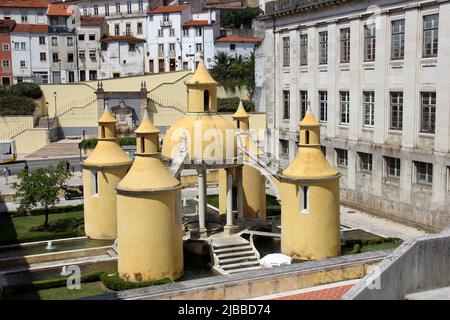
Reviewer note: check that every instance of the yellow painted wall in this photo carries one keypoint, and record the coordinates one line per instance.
(192, 180)
(254, 186)
(150, 240)
(100, 210)
(8, 124)
(316, 235)
(30, 140)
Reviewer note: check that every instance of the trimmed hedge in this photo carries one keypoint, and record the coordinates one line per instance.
(231, 105)
(116, 283)
(52, 210)
(47, 284)
(16, 106)
(25, 89)
(92, 143)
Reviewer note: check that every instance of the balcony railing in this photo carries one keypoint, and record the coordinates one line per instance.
(161, 54)
(166, 23)
(60, 29)
(172, 53)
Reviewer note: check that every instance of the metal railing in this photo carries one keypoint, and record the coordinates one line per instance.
(77, 104)
(167, 103)
(16, 131)
(166, 23)
(275, 7)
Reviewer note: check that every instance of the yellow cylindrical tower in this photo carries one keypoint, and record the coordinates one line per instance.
(150, 233)
(253, 183)
(310, 223)
(102, 171)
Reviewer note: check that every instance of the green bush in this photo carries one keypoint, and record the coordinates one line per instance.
(47, 284)
(231, 105)
(53, 210)
(116, 283)
(16, 106)
(30, 90)
(92, 143)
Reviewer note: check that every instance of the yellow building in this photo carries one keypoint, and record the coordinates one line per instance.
(149, 214)
(102, 171)
(208, 139)
(310, 224)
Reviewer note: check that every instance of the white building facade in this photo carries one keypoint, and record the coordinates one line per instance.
(177, 37)
(122, 56)
(377, 79)
(30, 60)
(237, 46)
(24, 11)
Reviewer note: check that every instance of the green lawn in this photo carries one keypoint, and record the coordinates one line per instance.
(63, 293)
(16, 230)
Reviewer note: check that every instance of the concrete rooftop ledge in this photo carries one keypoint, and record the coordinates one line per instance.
(222, 282)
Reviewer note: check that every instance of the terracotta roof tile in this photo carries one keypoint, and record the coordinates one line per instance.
(170, 9)
(7, 23)
(92, 21)
(195, 23)
(60, 10)
(121, 39)
(239, 39)
(24, 4)
(31, 28)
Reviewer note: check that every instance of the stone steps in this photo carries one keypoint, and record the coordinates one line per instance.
(234, 254)
(56, 149)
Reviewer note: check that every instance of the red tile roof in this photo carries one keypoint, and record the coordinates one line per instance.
(60, 10)
(31, 28)
(7, 23)
(196, 23)
(170, 9)
(121, 39)
(239, 39)
(24, 4)
(92, 21)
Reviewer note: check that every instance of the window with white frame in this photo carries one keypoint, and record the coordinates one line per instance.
(96, 9)
(106, 9)
(286, 51)
(198, 47)
(171, 32)
(345, 107)
(303, 198)
(323, 106)
(198, 32)
(304, 49)
(128, 29)
(161, 48)
(428, 112)
(82, 55)
(185, 32)
(54, 41)
(141, 5)
(69, 41)
(303, 103)
(129, 7)
(42, 40)
(323, 47)
(396, 104)
(341, 158)
(424, 172)
(398, 40)
(345, 45)
(393, 166)
(6, 47)
(160, 33)
(365, 162)
(6, 63)
(139, 28)
(23, 64)
(43, 56)
(430, 35)
(369, 108)
(93, 55)
(369, 42)
(118, 7)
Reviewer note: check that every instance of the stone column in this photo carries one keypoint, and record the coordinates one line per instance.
(229, 227)
(202, 202)
(240, 197)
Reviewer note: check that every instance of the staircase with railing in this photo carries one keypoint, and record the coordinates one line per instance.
(167, 103)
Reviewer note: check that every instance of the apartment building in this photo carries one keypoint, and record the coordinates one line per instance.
(63, 44)
(6, 27)
(90, 33)
(376, 76)
(24, 11)
(30, 60)
(177, 37)
(122, 56)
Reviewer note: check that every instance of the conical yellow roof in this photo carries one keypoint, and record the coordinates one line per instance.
(146, 125)
(201, 76)
(240, 112)
(107, 153)
(107, 116)
(309, 120)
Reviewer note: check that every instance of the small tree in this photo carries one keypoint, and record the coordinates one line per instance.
(40, 187)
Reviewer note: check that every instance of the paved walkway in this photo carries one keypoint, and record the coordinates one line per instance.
(386, 228)
(332, 291)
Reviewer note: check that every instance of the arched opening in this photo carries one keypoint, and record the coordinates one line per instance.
(307, 137)
(206, 100)
(238, 124)
(103, 133)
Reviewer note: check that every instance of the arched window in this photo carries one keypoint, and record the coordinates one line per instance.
(142, 145)
(303, 197)
(307, 137)
(103, 134)
(206, 100)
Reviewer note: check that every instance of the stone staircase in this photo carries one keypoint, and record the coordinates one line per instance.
(234, 254)
(56, 149)
(45, 122)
